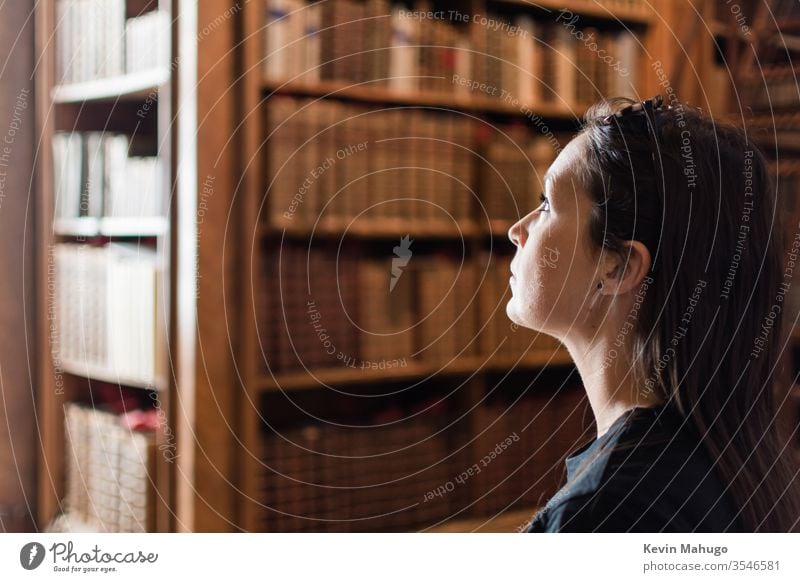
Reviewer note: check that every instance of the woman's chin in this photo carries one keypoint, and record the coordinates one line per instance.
(512, 311)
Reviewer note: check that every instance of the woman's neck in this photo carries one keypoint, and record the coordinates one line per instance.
(609, 382)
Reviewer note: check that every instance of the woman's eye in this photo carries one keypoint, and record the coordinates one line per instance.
(544, 202)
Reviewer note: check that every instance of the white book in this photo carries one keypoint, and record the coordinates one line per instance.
(95, 178)
(61, 45)
(627, 50)
(134, 49)
(296, 43)
(463, 64)
(116, 157)
(92, 50)
(277, 31)
(131, 312)
(78, 40)
(67, 159)
(115, 46)
(564, 53)
(60, 152)
(101, 38)
(312, 43)
(528, 73)
(403, 55)
(164, 53)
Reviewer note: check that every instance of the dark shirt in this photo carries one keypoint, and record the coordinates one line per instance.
(658, 477)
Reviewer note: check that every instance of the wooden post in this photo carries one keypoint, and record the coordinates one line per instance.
(19, 442)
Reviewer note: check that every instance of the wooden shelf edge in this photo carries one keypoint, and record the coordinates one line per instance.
(316, 378)
(449, 101)
(381, 229)
(101, 374)
(588, 8)
(133, 226)
(371, 229)
(133, 85)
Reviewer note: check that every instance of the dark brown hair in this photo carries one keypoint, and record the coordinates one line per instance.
(717, 229)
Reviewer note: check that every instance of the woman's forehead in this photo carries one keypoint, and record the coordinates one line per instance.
(565, 165)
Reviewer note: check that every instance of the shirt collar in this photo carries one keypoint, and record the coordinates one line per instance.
(577, 457)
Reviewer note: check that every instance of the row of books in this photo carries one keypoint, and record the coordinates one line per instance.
(555, 62)
(96, 175)
(332, 163)
(95, 41)
(543, 429)
(336, 308)
(520, 58)
(104, 304)
(147, 41)
(512, 166)
(775, 87)
(388, 311)
(108, 471)
(411, 474)
(500, 336)
(323, 478)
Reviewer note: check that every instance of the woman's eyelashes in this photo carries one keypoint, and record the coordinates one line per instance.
(545, 203)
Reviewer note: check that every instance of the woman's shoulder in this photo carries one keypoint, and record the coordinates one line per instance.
(652, 474)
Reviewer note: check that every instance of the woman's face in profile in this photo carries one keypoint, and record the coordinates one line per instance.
(553, 272)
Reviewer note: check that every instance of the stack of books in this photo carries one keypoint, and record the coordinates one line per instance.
(519, 454)
(519, 59)
(339, 165)
(94, 40)
(96, 175)
(104, 307)
(332, 308)
(509, 342)
(108, 471)
(147, 42)
(322, 477)
(511, 168)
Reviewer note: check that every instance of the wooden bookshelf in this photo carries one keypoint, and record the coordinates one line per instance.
(106, 104)
(210, 120)
(477, 374)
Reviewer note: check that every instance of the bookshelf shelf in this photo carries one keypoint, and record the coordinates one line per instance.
(315, 378)
(377, 94)
(589, 8)
(111, 226)
(101, 374)
(307, 380)
(83, 226)
(377, 229)
(132, 86)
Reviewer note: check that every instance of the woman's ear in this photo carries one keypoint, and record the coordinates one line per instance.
(626, 270)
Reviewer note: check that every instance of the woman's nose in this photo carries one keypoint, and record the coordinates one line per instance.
(516, 233)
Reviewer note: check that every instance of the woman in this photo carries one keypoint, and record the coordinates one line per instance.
(668, 296)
